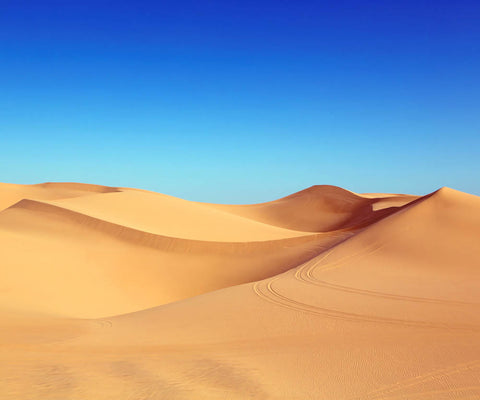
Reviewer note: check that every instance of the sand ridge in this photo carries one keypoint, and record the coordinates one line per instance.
(322, 208)
(322, 294)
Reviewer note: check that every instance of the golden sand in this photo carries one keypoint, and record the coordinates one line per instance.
(117, 293)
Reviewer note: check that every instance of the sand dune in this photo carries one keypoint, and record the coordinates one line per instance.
(335, 295)
(134, 249)
(156, 213)
(321, 208)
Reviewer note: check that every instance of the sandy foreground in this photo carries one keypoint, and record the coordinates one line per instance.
(117, 293)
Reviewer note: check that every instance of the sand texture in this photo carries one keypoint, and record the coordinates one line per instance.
(118, 293)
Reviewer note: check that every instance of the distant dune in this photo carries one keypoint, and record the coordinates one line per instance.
(118, 293)
(321, 208)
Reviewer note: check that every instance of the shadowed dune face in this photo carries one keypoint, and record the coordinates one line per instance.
(321, 209)
(120, 293)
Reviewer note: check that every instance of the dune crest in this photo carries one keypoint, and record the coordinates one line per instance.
(12, 193)
(321, 208)
(122, 293)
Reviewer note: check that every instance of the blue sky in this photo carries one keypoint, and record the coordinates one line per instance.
(241, 101)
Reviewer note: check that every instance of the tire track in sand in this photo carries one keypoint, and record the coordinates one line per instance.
(306, 273)
(265, 290)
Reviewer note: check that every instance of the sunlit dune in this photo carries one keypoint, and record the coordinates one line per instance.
(117, 293)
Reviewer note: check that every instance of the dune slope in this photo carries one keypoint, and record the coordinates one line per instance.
(388, 310)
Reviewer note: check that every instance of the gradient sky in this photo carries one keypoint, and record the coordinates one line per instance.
(241, 101)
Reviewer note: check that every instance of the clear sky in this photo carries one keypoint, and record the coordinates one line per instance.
(241, 101)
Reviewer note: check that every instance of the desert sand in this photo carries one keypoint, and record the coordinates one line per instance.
(118, 293)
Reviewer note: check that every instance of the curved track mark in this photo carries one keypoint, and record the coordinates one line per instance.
(306, 273)
(266, 291)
